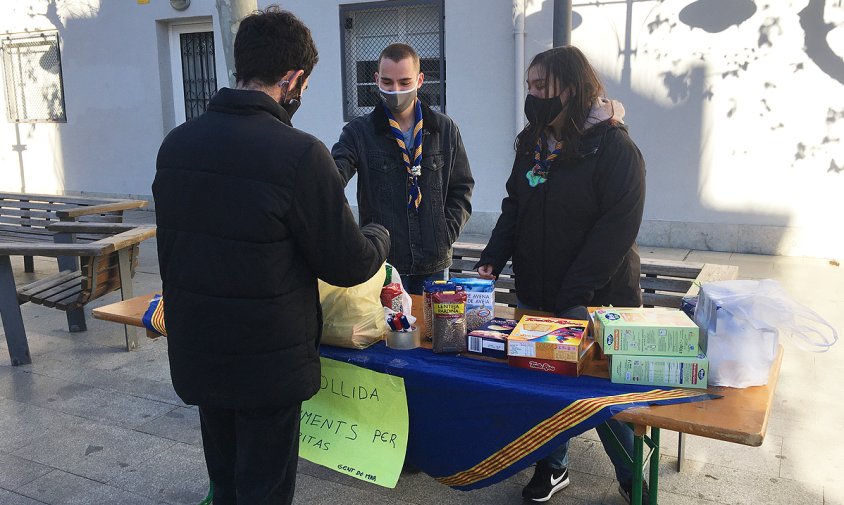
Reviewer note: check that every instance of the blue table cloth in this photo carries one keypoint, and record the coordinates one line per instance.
(474, 423)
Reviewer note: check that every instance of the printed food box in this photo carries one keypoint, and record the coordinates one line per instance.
(674, 371)
(491, 338)
(548, 338)
(646, 331)
(570, 368)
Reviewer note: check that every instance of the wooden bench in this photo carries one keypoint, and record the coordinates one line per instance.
(107, 265)
(26, 217)
(664, 283)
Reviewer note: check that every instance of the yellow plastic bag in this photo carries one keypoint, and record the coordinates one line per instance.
(353, 317)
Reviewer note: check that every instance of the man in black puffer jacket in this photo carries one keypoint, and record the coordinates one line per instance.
(250, 212)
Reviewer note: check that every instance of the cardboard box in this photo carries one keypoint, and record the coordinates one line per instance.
(673, 371)
(549, 338)
(491, 339)
(570, 368)
(646, 332)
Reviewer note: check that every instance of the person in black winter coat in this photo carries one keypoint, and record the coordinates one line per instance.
(250, 212)
(569, 222)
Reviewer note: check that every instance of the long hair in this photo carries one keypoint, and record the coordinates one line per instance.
(569, 69)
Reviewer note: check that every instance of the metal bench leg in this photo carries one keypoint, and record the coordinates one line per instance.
(10, 311)
(28, 264)
(681, 451)
(126, 292)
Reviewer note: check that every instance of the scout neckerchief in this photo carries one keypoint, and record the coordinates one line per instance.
(414, 170)
(539, 172)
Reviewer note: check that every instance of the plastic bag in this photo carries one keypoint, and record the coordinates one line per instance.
(741, 322)
(353, 317)
(393, 295)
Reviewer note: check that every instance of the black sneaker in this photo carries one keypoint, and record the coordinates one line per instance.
(545, 482)
(626, 490)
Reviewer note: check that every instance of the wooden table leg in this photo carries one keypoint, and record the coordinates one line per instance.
(10, 310)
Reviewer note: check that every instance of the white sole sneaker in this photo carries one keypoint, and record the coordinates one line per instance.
(562, 485)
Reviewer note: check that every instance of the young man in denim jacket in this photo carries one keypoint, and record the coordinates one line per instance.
(413, 173)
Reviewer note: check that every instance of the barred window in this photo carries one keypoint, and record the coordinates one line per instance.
(199, 71)
(32, 67)
(367, 28)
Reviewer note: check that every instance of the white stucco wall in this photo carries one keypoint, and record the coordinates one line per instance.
(739, 115)
(111, 66)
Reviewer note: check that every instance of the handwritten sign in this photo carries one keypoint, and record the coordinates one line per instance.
(356, 424)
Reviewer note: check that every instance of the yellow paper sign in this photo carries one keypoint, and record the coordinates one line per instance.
(356, 424)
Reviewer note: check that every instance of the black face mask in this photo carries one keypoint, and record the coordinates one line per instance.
(292, 105)
(541, 111)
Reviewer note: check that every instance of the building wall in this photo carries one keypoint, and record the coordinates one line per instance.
(735, 104)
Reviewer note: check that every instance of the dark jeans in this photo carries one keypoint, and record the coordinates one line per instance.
(560, 457)
(414, 284)
(252, 454)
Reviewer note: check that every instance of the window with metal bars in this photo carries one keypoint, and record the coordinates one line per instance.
(32, 67)
(367, 28)
(199, 72)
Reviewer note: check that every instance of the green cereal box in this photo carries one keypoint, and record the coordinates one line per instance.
(673, 371)
(646, 331)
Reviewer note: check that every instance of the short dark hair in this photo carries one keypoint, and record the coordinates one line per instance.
(270, 43)
(398, 52)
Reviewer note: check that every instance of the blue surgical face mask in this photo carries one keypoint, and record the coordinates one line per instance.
(398, 101)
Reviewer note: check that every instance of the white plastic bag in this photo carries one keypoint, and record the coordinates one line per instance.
(741, 322)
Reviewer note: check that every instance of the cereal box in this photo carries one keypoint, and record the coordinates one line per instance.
(548, 338)
(674, 371)
(570, 368)
(491, 338)
(646, 331)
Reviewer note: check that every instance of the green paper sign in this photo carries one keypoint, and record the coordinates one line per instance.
(356, 424)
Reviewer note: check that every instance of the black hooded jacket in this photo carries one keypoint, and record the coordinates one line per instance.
(250, 212)
(572, 238)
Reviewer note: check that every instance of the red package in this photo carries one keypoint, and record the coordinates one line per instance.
(391, 295)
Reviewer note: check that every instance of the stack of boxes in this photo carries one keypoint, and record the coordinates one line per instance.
(550, 344)
(651, 346)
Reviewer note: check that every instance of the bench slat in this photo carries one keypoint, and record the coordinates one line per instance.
(24, 230)
(55, 290)
(64, 199)
(39, 285)
(36, 205)
(664, 284)
(48, 214)
(661, 300)
(24, 221)
(671, 268)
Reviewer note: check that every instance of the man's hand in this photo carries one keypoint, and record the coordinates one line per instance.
(485, 271)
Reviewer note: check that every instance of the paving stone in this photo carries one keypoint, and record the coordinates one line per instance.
(10, 498)
(177, 475)
(58, 486)
(180, 424)
(92, 450)
(107, 494)
(21, 423)
(738, 487)
(17, 472)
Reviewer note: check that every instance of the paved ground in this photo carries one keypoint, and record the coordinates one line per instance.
(89, 423)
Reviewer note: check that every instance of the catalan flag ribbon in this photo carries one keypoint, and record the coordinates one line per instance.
(412, 160)
(153, 318)
(474, 423)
